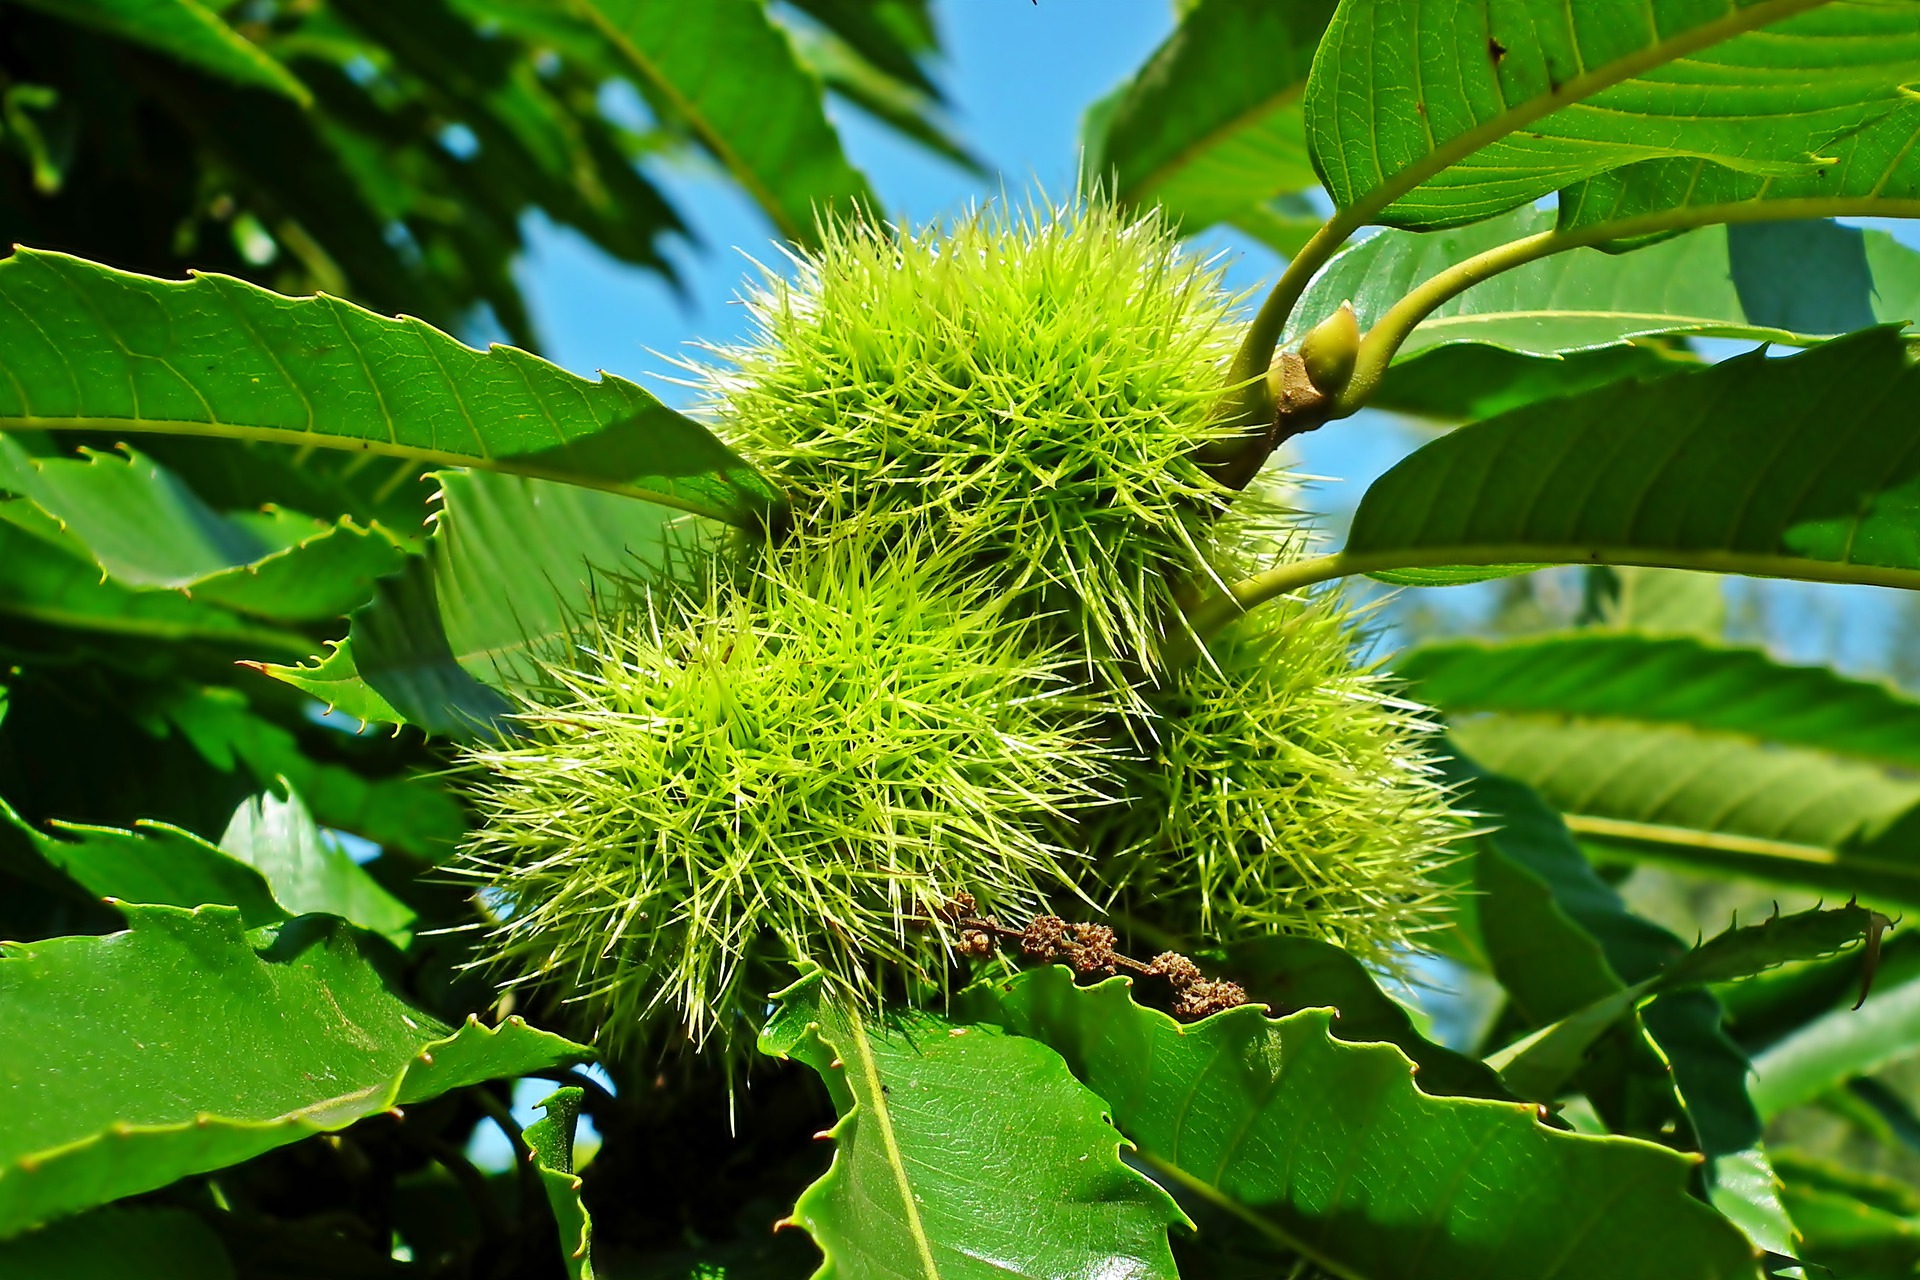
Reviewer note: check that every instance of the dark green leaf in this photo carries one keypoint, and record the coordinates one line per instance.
(1427, 115)
(1334, 1151)
(729, 76)
(1538, 1065)
(396, 666)
(187, 30)
(963, 1152)
(1467, 382)
(186, 1044)
(84, 347)
(1792, 468)
(1288, 974)
(1211, 126)
(118, 1243)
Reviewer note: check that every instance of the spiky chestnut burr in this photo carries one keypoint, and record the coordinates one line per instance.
(796, 765)
(1030, 391)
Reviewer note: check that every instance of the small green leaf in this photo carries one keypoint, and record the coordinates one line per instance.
(116, 1243)
(397, 667)
(1467, 382)
(186, 1044)
(1330, 1148)
(550, 1143)
(155, 864)
(84, 347)
(187, 30)
(278, 839)
(962, 1152)
(1538, 1065)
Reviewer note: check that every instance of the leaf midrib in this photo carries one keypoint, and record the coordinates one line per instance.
(890, 1140)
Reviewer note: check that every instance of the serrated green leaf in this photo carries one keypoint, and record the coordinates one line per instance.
(1289, 973)
(115, 1243)
(962, 1152)
(85, 347)
(186, 1044)
(277, 837)
(396, 666)
(272, 864)
(1538, 1065)
(726, 73)
(1211, 126)
(156, 863)
(45, 584)
(1428, 115)
(1792, 282)
(513, 565)
(143, 528)
(187, 30)
(1334, 1151)
(550, 1143)
(1668, 680)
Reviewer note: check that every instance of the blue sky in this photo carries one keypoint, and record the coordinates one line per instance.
(1019, 74)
